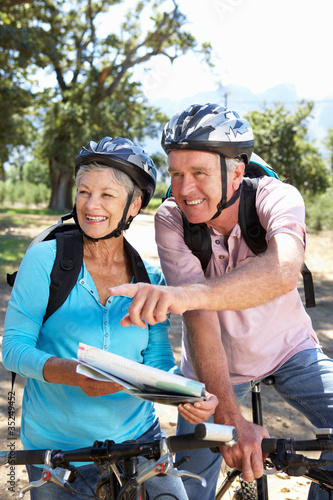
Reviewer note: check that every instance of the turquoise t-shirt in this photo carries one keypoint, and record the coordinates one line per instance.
(61, 416)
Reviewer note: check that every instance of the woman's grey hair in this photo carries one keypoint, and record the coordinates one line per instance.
(119, 177)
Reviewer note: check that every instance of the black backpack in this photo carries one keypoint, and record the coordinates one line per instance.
(197, 236)
(68, 262)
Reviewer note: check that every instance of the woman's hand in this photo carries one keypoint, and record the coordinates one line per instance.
(97, 388)
(199, 411)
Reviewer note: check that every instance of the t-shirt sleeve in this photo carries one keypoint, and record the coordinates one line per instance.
(280, 208)
(178, 263)
(25, 312)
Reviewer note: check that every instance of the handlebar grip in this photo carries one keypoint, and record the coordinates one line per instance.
(204, 436)
(268, 445)
(26, 457)
(225, 434)
(187, 442)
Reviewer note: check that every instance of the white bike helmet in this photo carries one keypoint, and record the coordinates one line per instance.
(213, 128)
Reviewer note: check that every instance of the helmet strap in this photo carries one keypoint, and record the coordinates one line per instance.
(123, 224)
(224, 203)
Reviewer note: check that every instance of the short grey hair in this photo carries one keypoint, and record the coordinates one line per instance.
(119, 176)
(232, 164)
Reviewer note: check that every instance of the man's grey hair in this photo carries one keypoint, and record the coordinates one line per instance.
(232, 164)
(119, 177)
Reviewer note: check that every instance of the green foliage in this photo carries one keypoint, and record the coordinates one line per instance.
(154, 204)
(2, 192)
(160, 162)
(328, 143)
(161, 190)
(319, 211)
(24, 192)
(36, 172)
(281, 139)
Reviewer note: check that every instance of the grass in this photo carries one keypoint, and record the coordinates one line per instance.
(12, 245)
(14, 221)
(12, 250)
(30, 211)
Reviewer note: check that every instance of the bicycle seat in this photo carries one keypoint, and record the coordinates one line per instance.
(270, 380)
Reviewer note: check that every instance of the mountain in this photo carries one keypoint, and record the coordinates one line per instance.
(242, 100)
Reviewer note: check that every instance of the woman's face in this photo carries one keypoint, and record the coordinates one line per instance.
(100, 203)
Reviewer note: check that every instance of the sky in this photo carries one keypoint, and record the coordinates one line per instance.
(256, 43)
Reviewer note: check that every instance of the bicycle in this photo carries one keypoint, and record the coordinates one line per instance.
(121, 476)
(282, 458)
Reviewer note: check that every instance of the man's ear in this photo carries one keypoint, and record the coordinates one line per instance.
(238, 175)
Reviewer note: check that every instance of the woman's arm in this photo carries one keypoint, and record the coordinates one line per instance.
(63, 371)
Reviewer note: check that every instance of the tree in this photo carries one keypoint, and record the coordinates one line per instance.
(281, 139)
(328, 143)
(16, 98)
(95, 92)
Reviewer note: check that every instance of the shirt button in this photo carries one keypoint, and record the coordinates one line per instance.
(109, 301)
(217, 242)
(105, 311)
(105, 322)
(106, 335)
(221, 257)
(105, 347)
(82, 282)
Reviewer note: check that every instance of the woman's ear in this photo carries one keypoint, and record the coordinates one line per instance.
(135, 206)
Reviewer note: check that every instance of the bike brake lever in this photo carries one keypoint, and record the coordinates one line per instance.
(164, 465)
(58, 476)
(179, 473)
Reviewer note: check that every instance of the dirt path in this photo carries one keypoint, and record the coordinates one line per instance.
(280, 419)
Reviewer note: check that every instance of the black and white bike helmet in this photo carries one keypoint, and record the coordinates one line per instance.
(213, 128)
(128, 157)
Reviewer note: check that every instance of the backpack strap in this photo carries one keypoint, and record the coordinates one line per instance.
(139, 269)
(197, 238)
(251, 229)
(66, 269)
(309, 293)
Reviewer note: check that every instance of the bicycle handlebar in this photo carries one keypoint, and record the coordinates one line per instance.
(270, 445)
(205, 436)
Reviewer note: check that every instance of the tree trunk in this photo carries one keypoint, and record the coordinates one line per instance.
(3, 175)
(61, 188)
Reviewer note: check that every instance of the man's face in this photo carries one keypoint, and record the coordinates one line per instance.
(195, 183)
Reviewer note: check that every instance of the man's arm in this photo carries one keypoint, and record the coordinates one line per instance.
(211, 366)
(266, 277)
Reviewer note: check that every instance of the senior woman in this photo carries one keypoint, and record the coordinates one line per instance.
(62, 409)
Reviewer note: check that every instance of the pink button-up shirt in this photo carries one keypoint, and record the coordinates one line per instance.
(260, 339)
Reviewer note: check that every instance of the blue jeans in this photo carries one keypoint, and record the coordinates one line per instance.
(167, 486)
(306, 382)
